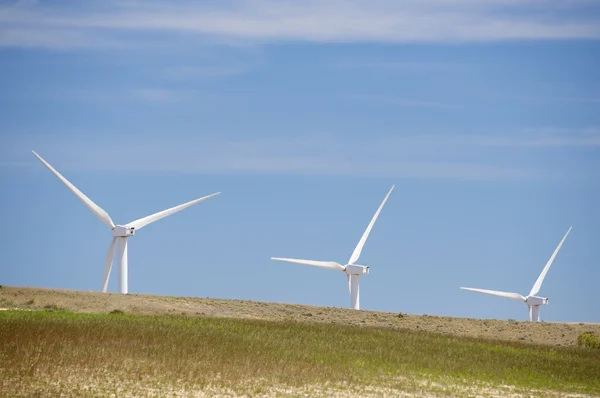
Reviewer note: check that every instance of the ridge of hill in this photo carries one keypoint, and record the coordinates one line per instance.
(542, 333)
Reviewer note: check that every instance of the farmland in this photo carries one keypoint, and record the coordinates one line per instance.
(90, 344)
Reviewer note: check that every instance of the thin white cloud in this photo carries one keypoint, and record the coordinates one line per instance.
(558, 138)
(206, 71)
(313, 20)
(392, 99)
(455, 157)
(55, 38)
(26, 3)
(158, 95)
(11, 165)
(396, 65)
(221, 159)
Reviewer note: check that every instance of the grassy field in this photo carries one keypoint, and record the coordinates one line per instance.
(551, 334)
(52, 353)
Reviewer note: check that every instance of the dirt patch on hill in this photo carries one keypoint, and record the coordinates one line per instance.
(555, 334)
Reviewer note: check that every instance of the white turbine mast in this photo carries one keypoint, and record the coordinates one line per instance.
(533, 302)
(352, 270)
(119, 232)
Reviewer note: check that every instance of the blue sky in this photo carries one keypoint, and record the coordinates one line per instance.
(303, 114)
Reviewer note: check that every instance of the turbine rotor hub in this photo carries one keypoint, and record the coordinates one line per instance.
(123, 231)
(536, 300)
(353, 269)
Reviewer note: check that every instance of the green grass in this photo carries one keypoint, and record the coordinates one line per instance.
(45, 351)
(589, 340)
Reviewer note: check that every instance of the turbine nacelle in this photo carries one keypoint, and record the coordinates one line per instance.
(536, 300)
(532, 301)
(120, 233)
(354, 269)
(123, 231)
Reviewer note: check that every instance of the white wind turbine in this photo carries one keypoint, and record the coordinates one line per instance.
(533, 302)
(352, 270)
(120, 232)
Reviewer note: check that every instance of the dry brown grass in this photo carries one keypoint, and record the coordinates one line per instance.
(554, 334)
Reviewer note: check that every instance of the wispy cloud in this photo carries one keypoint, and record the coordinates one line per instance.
(12, 165)
(310, 20)
(25, 3)
(113, 95)
(55, 38)
(197, 72)
(392, 99)
(396, 65)
(158, 95)
(222, 158)
(559, 138)
(457, 157)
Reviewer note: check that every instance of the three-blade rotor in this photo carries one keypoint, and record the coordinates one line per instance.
(513, 296)
(321, 264)
(361, 243)
(536, 286)
(97, 210)
(105, 218)
(142, 222)
(355, 255)
(110, 255)
(538, 283)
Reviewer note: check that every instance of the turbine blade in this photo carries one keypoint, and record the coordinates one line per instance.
(538, 283)
(97, 210)
(322, 264)
(142, 222)
(514, 296)
(109, 262)
(363, 239)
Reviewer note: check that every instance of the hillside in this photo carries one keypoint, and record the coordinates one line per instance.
(79, 344)
(553, 334)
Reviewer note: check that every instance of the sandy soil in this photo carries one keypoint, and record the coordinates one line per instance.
(557, 334)
(406, 387)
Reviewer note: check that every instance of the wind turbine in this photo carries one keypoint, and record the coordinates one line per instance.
(352, 270)
(119, 232)
(533, 302)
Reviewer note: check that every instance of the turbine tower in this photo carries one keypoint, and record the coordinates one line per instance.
(352, 270)
(120, 232)
(533, 302)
